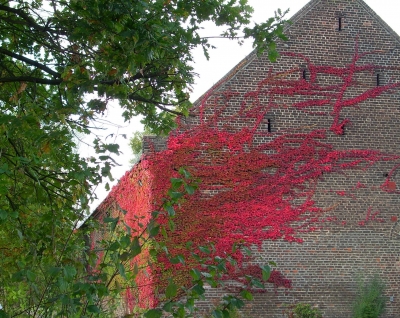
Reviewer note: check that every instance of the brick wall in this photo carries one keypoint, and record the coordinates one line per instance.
(153, 143)
(324, 269)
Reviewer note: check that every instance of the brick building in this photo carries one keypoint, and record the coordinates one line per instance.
(338, 75)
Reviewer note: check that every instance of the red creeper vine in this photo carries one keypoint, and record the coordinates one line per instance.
(255, 185)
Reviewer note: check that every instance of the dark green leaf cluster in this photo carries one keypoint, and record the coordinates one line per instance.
(61, 63)
(138, 53)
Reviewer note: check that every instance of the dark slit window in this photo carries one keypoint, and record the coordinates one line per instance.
(269, 125)
(304, 74)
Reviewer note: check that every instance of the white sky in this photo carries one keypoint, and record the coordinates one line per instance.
(222, 60)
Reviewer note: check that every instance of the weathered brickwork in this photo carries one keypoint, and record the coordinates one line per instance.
(153, 143)
(324, 269)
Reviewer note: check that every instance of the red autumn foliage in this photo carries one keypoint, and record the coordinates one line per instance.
(255, 185)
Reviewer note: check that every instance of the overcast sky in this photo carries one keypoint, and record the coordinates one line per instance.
(223, 59)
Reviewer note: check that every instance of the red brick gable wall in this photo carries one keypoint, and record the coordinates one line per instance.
(325, 267)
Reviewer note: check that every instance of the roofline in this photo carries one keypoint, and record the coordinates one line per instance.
(379, 20)
(252, 55)
(296, 17)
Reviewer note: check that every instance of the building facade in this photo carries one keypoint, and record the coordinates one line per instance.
(299, 158)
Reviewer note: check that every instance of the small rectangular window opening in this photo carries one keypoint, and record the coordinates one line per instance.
(340, 24)
(378, 80)
(304, 74)
(269, 125)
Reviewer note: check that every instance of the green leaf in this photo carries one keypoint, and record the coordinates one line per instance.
(30, 275)
(177, 260)
(171, 290)
(204, 249)
(175, 195)
(14, 215)
(121, 270)
(273, 55)
(234, 247)
(3, 214)
(221, 266)
(168, 306)
(171, 225)
(266, 272)
(136, 249)
(125, 240)
(20, 235)
(217, 313)
(257, 283)
(114, 246)
(236, 302)
(110, 220)
(3, 190)
(124, 256)
(170, 209)
(198, 289)
(69, 272)
(93, 309)
(135, 269)
(153, 253)
(153, 230)
(189, 245)
(196, 275)
(189, 189)
(164, 232)
(176, 183)
(247, 250)
(18, 276)
(53, 271)
(185, 173)
(207, 274)
(114, 148)
(153, 313)
(246, 295)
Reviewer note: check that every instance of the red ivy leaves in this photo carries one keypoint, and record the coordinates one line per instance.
(255, 185)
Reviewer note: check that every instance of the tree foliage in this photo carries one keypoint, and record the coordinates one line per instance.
(61, 63)
(138, 53)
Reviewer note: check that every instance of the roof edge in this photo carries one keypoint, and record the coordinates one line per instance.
(252, 55)
(382, 22)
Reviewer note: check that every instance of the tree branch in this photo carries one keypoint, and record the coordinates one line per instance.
(31, 22)
(30, 62)
(156, 103)
(169, 110)
(31, 80)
